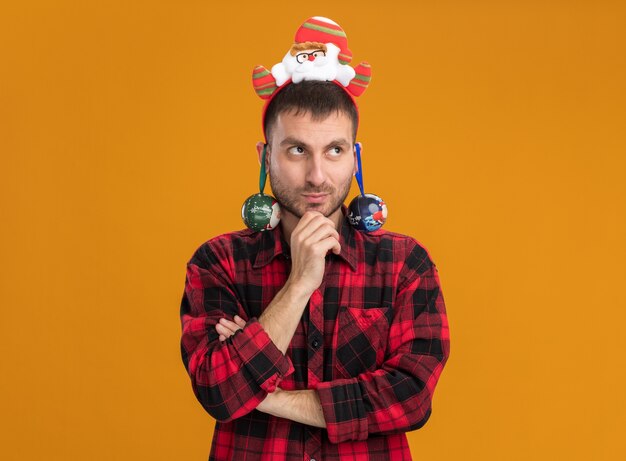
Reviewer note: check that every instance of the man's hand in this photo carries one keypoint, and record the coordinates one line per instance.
(312, 238)
(225, 328)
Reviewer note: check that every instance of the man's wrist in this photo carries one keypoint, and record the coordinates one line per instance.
(295, 293)
(302, 406)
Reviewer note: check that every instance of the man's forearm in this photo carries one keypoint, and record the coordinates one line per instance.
(281, 317)
(301, 406)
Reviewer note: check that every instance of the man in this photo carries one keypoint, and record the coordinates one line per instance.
(313, 340)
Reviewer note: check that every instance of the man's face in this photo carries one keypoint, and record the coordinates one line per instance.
(311, 163)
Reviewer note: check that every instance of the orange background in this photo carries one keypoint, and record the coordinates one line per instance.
(494, 130)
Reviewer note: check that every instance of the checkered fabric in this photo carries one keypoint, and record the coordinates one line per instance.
(372, 342)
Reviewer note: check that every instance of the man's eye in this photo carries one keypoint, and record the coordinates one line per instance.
(336, 151)
(296, 150)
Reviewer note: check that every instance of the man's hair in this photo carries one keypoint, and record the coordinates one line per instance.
(317, 98)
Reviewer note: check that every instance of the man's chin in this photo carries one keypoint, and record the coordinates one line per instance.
(325, 208)
(299, 211)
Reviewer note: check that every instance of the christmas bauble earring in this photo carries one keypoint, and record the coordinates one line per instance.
(367, 212)
(260, 211)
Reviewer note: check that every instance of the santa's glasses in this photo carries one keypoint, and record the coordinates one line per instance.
(302, 57)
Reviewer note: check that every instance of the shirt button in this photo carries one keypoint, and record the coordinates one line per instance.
(315, 343)
(312, 459)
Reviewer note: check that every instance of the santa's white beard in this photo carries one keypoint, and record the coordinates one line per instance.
(320, 69)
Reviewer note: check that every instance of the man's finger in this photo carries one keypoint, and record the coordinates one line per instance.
(239, 321)
(226, 332)
(306, 227)
(232, 326)
(328, 244)
(223, 331)
(321, 233)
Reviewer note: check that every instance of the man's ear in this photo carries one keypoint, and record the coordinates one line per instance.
(356, 166)
(259, 150)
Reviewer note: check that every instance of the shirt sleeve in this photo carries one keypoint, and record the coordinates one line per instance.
(229, 378)
(396, 397)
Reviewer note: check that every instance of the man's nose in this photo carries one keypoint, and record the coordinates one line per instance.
(311, 57)
(315, 173)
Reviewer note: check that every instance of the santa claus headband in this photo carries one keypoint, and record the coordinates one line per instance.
(319, 52)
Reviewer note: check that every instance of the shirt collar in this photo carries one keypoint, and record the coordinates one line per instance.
(273, 244)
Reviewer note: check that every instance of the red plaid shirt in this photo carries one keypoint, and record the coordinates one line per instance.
(372, 341)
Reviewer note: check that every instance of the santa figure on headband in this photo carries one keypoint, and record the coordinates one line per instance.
(320, 52)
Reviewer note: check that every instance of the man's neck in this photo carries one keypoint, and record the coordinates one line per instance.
(289, 221)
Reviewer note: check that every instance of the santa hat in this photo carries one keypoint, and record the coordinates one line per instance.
(324, 30)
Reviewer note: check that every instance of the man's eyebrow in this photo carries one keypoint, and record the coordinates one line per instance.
(290, 140)
(338, 142)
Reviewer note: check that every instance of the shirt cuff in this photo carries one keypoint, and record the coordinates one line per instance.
(343, 409)
(260, 356)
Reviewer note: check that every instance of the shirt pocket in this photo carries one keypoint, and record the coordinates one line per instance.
(361, 340)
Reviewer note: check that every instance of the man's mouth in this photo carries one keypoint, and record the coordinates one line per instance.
(315, 198)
